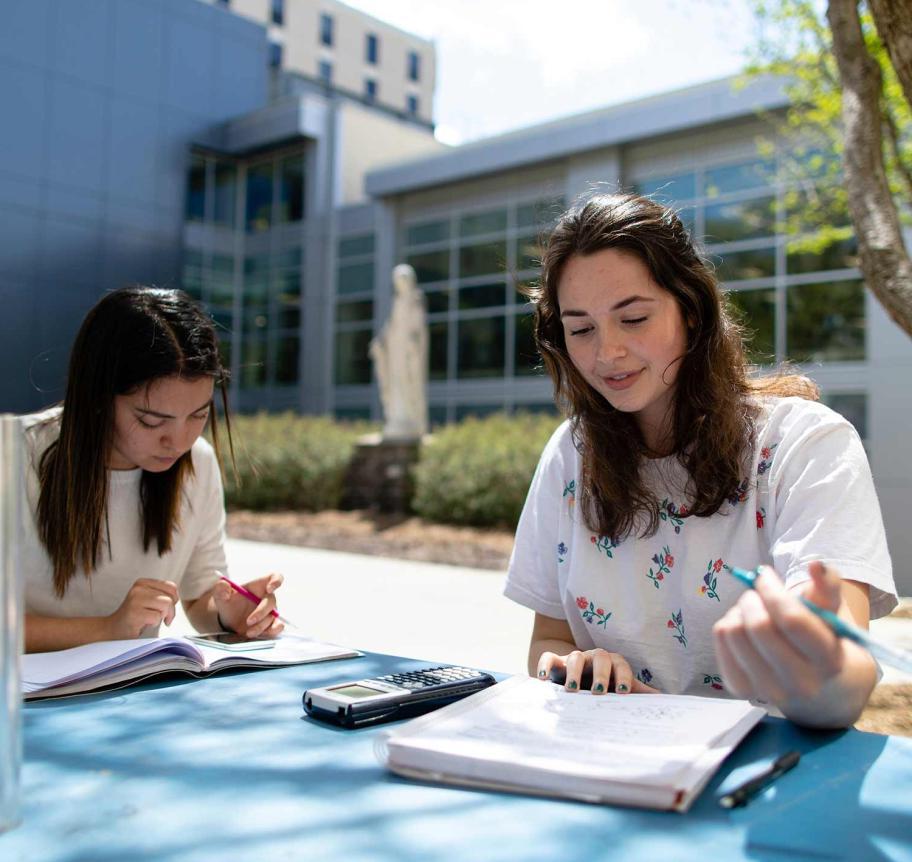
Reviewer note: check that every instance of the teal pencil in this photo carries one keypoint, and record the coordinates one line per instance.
(900, 659)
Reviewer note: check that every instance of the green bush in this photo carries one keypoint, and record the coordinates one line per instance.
(286, 461)
(478, 472)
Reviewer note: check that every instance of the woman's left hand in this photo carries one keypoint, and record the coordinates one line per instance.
(239, 613)
(771, 648)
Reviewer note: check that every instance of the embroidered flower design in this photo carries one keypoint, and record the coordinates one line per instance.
(713, 680)
(604, 544)
(663, 563)
(570, 493)
(645, 676)
(676, 622)
(766, 458)
(562, 552)
(592, 614)
(708, 588)
(739, 495)
(761, 517)
(669, 512)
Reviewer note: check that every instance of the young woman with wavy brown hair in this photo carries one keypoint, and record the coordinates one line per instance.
(128, 515)
(674, 464)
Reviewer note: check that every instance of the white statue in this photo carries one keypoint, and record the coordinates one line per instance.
(400, 357)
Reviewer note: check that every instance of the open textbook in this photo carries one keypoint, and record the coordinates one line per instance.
(528, 736)
(115, 664)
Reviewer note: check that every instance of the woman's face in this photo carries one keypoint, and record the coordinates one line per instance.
(158, 423)
(624, 334)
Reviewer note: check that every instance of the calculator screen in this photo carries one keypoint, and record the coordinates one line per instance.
(357, 692)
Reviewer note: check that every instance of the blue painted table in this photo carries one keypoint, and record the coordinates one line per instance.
(228, 768)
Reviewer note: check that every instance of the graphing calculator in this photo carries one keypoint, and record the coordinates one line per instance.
(394, 696)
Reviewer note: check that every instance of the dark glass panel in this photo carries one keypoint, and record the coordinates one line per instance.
(225, 193)
(430, 265)
(482, 295)
(355, 245)
(196, 189)
(742, 265)
(525, 355)
(438, 337)
(482, 259)
(481, 347)
(432, 231)
(287, 350)
(259, 198)
(492, 221)
(291, 189)
(347, 312)
(353, 365)
(356, 278)
(756, 311)
(826, 322)
(741, 220)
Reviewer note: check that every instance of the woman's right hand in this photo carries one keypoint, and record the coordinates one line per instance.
(610, 671)
(149, 602)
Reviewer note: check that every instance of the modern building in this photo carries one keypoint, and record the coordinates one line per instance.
(331, 43)
(179, 159)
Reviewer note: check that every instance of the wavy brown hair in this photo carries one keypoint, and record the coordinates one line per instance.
(129, 339)
(713, 421)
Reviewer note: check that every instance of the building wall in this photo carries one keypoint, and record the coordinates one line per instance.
(98, 103)
(302, 50)
(366, 140)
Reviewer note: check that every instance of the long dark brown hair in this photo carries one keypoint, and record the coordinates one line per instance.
(713, 422)
(131, 338)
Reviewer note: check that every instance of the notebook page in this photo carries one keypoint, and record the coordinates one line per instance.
(645, 738)
(40, 670)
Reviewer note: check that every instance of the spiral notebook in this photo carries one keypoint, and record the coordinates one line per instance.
(527, 736)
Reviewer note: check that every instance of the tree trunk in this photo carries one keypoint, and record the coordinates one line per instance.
(885, 263)
(894, 26)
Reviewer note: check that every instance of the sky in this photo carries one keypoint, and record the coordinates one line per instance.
(506, 64)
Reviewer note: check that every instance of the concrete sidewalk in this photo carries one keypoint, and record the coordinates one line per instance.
(445, 614)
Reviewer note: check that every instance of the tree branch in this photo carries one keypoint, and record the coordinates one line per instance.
(893, 19)
(885, 263)
(893, 138)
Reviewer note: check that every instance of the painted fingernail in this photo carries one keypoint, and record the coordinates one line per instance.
(600, 688)
(541, 674)
(623, 687)
(572, 684)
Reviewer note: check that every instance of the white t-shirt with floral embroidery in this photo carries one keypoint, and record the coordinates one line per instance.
(810, 496)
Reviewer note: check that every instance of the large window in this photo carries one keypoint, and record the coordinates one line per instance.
(372, 49)
(414, 66)
(798, 299)
(291, 188)
(259, 197)
(354, 314)
(469, 264)
(278, 12)
(196, 189)
(326, 30)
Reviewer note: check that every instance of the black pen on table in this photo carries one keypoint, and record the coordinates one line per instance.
(742, 794)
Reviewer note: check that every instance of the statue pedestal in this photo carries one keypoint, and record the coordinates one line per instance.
(380, 474)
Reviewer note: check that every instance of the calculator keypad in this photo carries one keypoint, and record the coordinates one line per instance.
(415, 680)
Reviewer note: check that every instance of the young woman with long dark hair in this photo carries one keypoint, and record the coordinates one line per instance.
(126, 495)
(674, 465)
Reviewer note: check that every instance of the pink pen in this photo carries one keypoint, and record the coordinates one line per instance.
(254, 598)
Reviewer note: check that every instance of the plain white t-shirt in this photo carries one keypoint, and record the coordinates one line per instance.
(198, 543)
(810, 496)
